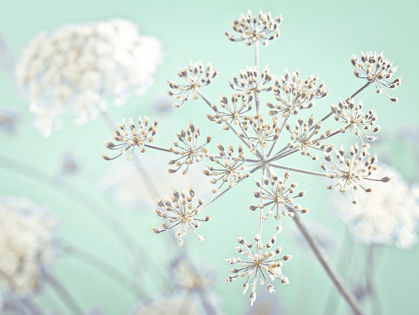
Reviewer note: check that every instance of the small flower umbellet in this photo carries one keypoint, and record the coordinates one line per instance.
(249, 82)
(295, 94)
(180, 213)
(355, 119)
(229, 168)
(349, 172)
(376, 68)
(234, 113)
(304, 138)
(258, 133)
(188, 149)
(262, 28)
(195, 77)
(278, 198)
(131, 137)
(263, 265)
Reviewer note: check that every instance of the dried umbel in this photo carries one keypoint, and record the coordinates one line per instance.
(250, 29)
(195, 77)
(188, 149)
(258, 136)
(355, 119)
(79, 67)
(261, 265)
(377, 69)
(294, 94)
(278, 198)
(26, 246)
(181, 214)
(131, 137)
(351, 171)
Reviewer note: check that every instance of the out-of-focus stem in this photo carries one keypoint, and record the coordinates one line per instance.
(64, 295)
(334, 276)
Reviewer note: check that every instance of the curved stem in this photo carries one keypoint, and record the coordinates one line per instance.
(72, 192)
(64, 295)
(334, 276)
(105, 268)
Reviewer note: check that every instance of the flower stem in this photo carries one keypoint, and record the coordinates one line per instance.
(334, 276)
(64, 295)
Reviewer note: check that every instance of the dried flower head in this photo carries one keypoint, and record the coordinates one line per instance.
(355, 119)
(262, 265)
(351, 171)
(181, 213)
(188, 149)
(376, 68)
(195, 77)
(277, 197)
(229, 167)
(249, 82)
(132, 138)
(79, 67)
(258, 133)
(295, 94)
(234, 113)
(262, 28)
(390, 216)
(303, 138)
(26, 246)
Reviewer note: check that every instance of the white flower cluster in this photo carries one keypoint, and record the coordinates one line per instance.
(78, 67)
(26, 246)
(389, 216)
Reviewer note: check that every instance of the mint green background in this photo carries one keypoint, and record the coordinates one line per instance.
(316, 37)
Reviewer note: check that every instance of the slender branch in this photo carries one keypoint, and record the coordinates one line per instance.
(345, 259)
(105, 268)
(64, 295)
(298, 170)
(334, 276)
(157, 148)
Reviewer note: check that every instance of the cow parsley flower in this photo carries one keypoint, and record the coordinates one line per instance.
(260, 266)
(390, 216)
(295, 94)
(26, 246)
(351, 172)
(181, 214)
(252, 29)
(277, 197)
(132, 137)
(188, 149)
(376, 68)
(195, 77)
(78, 67)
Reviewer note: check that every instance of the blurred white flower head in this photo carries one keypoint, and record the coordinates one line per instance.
(389, 216)
(26, 246)
(128, 189)
(78, 68)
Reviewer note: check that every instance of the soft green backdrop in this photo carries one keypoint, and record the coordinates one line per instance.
(316, 37)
